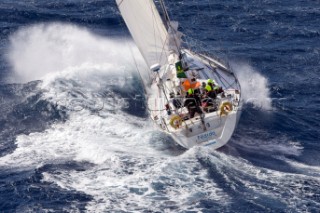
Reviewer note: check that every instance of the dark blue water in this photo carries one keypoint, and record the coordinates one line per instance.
(75, 135)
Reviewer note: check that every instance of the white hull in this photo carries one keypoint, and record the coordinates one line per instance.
(176, 71)
(213, 138)
(217, 133)
(214, 130)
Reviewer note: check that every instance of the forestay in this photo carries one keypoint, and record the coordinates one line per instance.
(147, 29)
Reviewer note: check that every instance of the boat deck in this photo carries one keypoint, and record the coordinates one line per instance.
(176, 121)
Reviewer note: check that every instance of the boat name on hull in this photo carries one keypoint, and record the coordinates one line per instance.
(206, 136)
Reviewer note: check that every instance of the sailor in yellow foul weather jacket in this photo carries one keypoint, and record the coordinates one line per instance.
(211, 88)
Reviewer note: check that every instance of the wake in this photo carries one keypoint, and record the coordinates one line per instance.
(87, 74)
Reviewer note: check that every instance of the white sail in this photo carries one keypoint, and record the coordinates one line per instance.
(147, 29)
(209, 124)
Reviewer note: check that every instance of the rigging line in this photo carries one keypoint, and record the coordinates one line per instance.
(217, 74)
(166, 15)
(120, 3)
(167, 18)
(163, 49)
(166, 87)
(137, 67)
(153, 23)
(163, 89)
(135, 62)
(154, 27)
(158, 28)
(221, 78)
(156, 110)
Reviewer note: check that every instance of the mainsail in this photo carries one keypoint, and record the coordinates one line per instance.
(147, 29)
(180, 72)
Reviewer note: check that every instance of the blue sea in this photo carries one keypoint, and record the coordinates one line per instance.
(75, 135)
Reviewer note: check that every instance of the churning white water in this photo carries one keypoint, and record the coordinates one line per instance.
(130, 171)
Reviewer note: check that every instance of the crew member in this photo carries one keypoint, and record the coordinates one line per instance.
(192, 103)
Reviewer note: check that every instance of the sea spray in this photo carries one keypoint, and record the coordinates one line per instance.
(38, 50)
(254, 86)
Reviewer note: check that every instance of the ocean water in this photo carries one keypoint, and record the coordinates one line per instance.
(75, 135)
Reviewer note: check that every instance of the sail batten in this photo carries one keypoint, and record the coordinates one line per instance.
(146, 28)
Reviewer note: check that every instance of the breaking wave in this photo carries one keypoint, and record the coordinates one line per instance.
(43, 49)
(132, 166)
(254, 86)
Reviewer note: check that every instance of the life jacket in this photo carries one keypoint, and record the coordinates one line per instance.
(211, 92)
(208, 88)
(190, 85)
(190, 91)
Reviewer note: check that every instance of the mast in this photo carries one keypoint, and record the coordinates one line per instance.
(172, 31)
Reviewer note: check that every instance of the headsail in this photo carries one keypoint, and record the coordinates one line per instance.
(147, 29)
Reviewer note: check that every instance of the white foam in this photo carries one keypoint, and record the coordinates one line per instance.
(254, 86)
(127, 168)
(304, 168)
(154, 183)
(290, 189)
(126, 165)
(128, 173)
(273, 146)
(40, 49)
(78, 70)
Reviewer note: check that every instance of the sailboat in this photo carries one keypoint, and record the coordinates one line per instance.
(193, 97)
